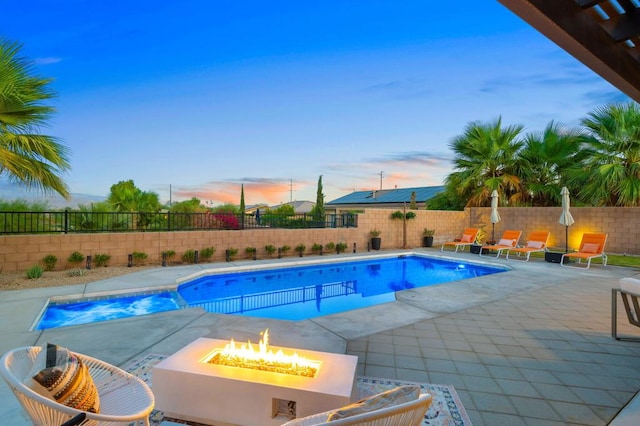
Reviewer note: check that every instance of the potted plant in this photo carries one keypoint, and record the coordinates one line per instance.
(375, 239)
(427, 237)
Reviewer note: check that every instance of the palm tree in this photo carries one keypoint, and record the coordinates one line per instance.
(485, 159)
(547, 160)
(611, 176)
(26, 156)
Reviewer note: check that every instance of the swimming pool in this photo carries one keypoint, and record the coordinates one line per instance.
(286, 293)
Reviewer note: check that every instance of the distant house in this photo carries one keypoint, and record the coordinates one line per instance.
(254, 207)
(384, 198)
(299, 207)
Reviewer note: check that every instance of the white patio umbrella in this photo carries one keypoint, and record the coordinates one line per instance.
(495, 216)
(565, 218)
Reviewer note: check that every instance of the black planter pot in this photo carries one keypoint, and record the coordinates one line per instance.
(427, 241)
(375, 243)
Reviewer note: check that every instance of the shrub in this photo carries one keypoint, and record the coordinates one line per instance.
(330, 246)
(75, 258)
(316, 248)
(101, 259)
(270, 249)
(189, 256)
(50, 261)
(34, 272)
(250, 252)
(300, 248)
(231, 252)
(207, 253)
(169, 253)
(341, 247)
(285, 249)
(139, 257)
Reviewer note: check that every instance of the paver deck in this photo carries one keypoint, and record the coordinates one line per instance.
(531, 346)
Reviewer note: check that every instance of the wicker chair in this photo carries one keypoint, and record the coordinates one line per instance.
(124, 398)
(406, 414)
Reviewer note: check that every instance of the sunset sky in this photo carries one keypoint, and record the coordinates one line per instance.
(203, 96)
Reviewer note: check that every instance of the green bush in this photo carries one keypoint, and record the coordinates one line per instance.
(330, 246)
(75, 258)
(49, 261)
(34, 272)
(232, 252)
(169, 253)
(270, 249)
(139, 257)
(316, 248)
(285, 249)
(189, 256)
(101, 259)
(341, 247)
(300, 248)
(207, 253)
(250, 252)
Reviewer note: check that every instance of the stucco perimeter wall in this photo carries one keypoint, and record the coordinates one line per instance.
(622, 224)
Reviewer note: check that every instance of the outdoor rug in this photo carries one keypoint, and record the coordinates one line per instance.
(445, 410)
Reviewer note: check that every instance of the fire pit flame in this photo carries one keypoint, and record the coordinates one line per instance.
(264, 359)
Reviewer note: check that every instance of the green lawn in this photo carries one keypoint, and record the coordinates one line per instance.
(612, 259)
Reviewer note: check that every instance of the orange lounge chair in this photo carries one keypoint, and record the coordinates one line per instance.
(591, 247)
(508, 241)
(536, 242)
(469, 236)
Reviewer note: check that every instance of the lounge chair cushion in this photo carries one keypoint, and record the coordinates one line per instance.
(505, 242)
(466, 238)
(392, 397)
(60, 375)
(631, 285)
(590, 248)
(535, 244)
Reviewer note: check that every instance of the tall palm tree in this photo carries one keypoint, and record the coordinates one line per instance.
(26, 155)
(547, 159)
(612, 171)
(485, 159)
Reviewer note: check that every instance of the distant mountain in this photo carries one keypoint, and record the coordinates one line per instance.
(9, 192)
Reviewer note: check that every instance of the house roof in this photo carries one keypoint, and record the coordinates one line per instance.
(298, 206)
(397, 195)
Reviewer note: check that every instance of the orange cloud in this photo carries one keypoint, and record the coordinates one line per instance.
(255, 192)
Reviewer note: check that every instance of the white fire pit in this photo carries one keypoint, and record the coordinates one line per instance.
(188, 387)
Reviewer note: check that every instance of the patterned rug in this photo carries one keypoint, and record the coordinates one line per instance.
(445, 410)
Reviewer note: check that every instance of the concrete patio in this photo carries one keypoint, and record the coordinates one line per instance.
(531, 346)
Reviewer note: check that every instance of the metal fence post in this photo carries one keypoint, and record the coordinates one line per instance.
(66, 221)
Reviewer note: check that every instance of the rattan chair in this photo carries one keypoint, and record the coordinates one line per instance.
(406, 414)
(124, 398)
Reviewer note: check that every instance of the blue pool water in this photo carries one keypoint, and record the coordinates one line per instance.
(293, 293)
(92, 310)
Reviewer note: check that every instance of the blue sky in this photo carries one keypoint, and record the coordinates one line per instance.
(201, 96)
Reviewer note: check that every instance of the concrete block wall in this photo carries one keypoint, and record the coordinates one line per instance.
(622, 224)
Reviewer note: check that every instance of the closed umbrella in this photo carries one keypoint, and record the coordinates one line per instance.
(495, 216)
(565, 218)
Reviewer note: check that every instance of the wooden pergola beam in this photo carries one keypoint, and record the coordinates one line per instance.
(570, 25)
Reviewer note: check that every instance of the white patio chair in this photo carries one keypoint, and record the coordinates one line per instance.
(124, 398)
(407, 414)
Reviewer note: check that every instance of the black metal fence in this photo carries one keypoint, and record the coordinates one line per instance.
(87, 222)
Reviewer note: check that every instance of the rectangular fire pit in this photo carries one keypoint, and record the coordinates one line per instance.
(187, 387)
